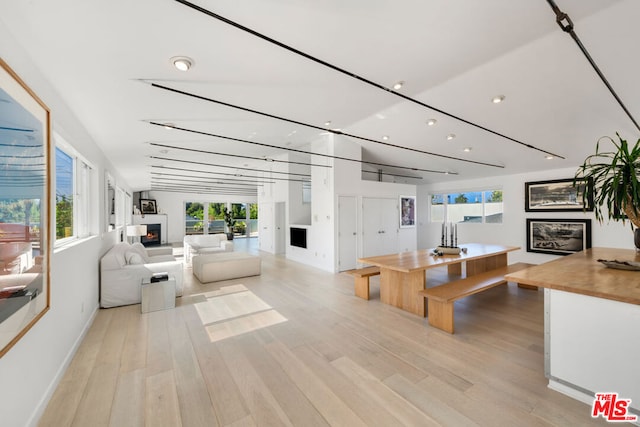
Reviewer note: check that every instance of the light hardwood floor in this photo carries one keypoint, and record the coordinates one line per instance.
(295, 347)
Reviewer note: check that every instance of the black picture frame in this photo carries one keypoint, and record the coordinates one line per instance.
(407, 211)
(557, 195)
(558, 236)
(148, 206)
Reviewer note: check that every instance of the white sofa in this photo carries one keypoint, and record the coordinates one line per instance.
(124, 266)
(201, 244)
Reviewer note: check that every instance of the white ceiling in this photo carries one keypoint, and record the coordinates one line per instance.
(102, 56)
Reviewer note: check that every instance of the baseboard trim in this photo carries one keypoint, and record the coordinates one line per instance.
(44, 401)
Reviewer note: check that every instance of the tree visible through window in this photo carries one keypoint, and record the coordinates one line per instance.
(64, 195)
(471, 206)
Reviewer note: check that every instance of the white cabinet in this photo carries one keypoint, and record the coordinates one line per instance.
(379, 226)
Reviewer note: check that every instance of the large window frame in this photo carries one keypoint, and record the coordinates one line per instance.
(470, 200)
(82, 177)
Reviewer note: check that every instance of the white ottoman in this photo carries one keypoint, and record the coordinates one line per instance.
(224, 266)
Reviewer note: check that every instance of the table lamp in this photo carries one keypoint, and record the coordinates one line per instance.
(137, 231)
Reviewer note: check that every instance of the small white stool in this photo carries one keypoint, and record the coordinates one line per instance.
(158, 295)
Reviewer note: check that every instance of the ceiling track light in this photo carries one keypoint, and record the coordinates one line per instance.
(182, 63)
(349, 73)
(295, 150)
(272, 116)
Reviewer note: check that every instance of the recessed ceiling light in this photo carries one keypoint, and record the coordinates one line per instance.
(327, 123)
(548, 157)
(466, 149)
(398, 85)
(164, 151)
(497, 99)
(169, 126)
(385, 137)
(451, 136)
(182, 63)
(432, 122)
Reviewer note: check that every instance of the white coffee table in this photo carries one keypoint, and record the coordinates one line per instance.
(158, 295)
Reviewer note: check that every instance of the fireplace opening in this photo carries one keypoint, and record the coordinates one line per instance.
(153, 236)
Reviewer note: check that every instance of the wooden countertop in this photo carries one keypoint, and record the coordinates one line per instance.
(581, 273)
(423, 259)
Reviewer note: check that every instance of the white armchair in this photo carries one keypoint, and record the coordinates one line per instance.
(124, 266)
(200, 244)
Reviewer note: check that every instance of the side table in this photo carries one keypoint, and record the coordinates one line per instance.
(158, 295)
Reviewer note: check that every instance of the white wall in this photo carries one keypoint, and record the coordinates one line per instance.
(30, 371)
(512, 231)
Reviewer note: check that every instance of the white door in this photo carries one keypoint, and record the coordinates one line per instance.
(380, 226)
(279, 234)
(347, 233)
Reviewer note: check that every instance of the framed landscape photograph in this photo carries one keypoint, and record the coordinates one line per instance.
(558, 236)
(25, 204)
(557, 196)
(148, 206)
(407, 211)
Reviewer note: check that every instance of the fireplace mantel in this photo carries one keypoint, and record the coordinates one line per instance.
(154, 219)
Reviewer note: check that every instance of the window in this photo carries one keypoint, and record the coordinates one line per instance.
(73, 183)
(64, 195)
(239, 213)
(472, 206)
(216, 218)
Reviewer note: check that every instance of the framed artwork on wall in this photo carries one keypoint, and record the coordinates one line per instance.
(558, 236)
(25, 166)
(148, 206)
(557, 195)
(407, 211)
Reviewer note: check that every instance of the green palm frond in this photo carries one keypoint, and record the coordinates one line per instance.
(614, 179)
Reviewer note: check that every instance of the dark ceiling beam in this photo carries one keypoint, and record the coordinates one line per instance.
(566, 24)
(228, 167)
(202, 189)
(246, 176)
(295, 150)
(356, 76)
(174, 177)
(267, 159)
(334, 131)
(392, 174)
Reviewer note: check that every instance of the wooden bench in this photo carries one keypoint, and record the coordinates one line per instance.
(361, 277)
(441, 298)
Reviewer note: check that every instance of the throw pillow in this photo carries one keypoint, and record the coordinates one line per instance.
(133, 258)
(140, 249)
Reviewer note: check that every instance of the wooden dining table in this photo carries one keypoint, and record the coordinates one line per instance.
(402, 275)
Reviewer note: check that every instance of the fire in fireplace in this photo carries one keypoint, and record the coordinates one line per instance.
(153, 236)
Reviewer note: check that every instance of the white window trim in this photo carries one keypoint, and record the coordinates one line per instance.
(85, 229)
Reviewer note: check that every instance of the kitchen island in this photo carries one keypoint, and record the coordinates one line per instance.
(592, 323)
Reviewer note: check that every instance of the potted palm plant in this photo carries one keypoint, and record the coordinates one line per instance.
(614, 176)
(228, 219)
